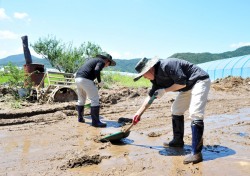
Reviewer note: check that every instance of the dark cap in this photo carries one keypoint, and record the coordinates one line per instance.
(107, 56)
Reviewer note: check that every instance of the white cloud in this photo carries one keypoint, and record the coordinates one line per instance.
(33, 53)
(240, 44)
(3, 54)
(19, 50)
(8, 35)
(127, 54)
(3, 15)
(133, 56)
(20, 15)
(6, 52)
(115, 54)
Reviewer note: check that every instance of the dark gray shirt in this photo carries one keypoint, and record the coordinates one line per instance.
(91, 69)
(176, 71)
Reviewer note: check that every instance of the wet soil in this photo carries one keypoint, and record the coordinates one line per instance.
(46, 139)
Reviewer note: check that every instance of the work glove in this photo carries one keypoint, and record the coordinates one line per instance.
(136, 119)
(159, 93)
(100, 84)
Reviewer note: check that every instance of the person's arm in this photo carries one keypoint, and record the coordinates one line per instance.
(137, 116)
(174, 87)
(98, 68)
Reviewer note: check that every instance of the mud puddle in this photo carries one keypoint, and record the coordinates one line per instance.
(21, 148)
(225, 119)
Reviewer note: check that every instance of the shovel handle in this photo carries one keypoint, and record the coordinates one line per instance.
(146, 107)
(127, 130)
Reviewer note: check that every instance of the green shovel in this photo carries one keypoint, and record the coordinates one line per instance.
(123, 134)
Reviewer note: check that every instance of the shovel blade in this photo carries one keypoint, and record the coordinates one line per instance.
(87, 105)
(115, 137)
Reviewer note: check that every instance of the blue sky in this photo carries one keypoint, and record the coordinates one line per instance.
(128, 28)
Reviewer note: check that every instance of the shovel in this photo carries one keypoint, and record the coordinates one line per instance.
(123, 134)
(88, 105)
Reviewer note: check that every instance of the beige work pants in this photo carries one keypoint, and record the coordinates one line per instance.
(86, 88)
(194, 99)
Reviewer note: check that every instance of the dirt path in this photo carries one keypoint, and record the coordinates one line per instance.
(53, 143)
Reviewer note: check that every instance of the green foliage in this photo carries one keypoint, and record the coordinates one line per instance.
(198, 58)
(13, 102)
(15, 75)
(122, 80)
(90, 49)
(15, 78)
(3, 77)
(70, 59)
(125, 65)
(50, 48)
(65, 57)
(16, 104)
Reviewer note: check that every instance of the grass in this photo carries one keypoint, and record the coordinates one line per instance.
(4, 79)
(126, 81)
(109, 79)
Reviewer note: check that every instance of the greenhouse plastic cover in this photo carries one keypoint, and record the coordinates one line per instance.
(235, 66)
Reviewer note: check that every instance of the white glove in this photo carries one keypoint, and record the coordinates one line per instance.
(160, 93)
(100, 84)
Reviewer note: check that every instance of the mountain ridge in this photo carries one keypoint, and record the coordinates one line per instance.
(128, 65)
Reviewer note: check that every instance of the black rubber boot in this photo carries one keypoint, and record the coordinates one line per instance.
(197, 142)
(178, 132)
(80, 110)
(95, 110)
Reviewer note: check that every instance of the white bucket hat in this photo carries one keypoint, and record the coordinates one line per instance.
(144, 65)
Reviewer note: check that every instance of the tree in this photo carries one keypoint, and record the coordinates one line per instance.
(71, 59)
(50, 48)
(65, 57)
(91, 49)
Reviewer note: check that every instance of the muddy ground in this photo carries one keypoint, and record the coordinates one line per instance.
(47, 139)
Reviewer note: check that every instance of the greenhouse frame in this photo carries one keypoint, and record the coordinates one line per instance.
(235, 66)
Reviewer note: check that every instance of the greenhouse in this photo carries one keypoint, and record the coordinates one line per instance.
(235, 66)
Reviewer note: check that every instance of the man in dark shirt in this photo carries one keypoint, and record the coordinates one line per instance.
(193, 85)
(86, 87)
